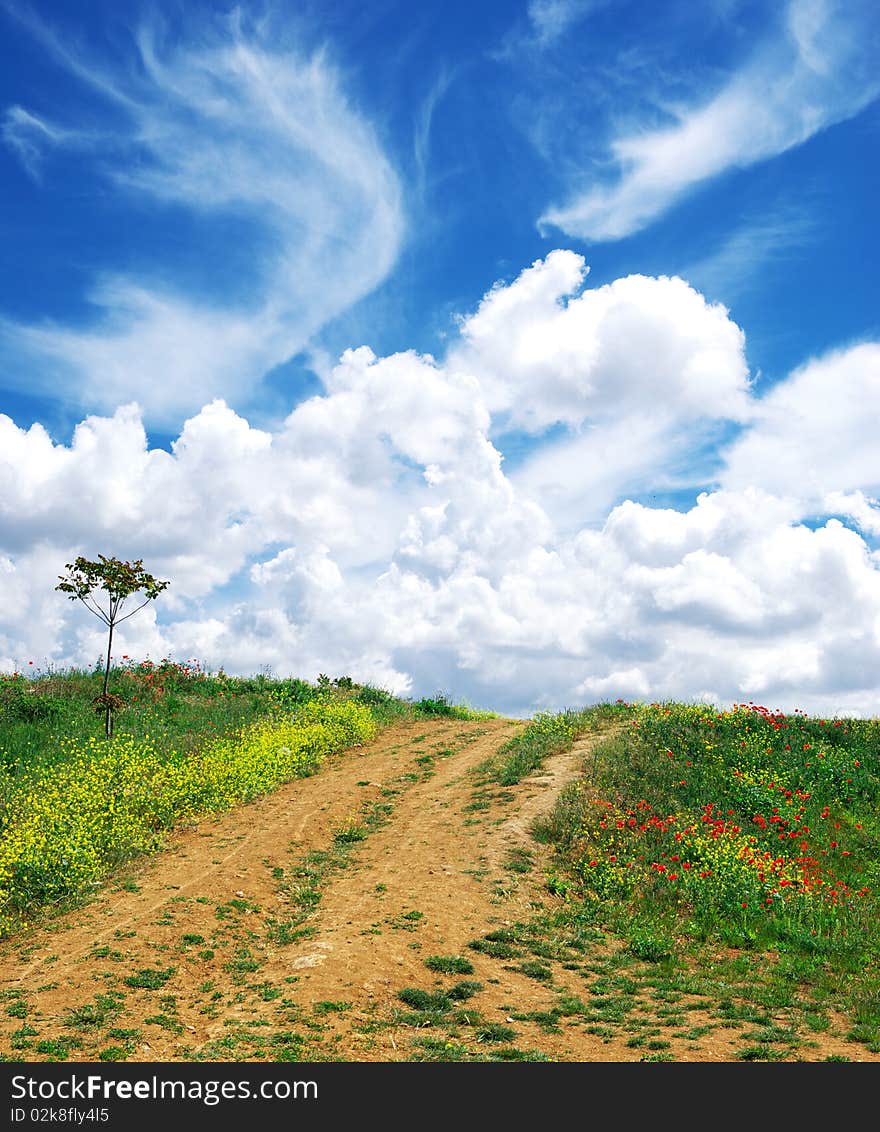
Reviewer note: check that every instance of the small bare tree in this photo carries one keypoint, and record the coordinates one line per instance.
(119, 581)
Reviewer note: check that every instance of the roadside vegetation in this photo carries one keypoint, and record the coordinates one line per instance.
(547, 734)
(739, 847)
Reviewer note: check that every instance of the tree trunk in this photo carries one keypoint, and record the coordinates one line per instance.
(108, 717)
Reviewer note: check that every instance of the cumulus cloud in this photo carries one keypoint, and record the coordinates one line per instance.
(814, 434)
(639, 371)
(548, 352)
(816, 70)
(235, 127)
(375, 531)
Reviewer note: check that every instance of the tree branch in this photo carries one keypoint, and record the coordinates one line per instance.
(98, 612)
(133, 612)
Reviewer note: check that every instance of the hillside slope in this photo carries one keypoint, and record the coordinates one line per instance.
(287, 930)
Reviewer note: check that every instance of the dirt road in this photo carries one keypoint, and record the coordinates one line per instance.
(290, 928)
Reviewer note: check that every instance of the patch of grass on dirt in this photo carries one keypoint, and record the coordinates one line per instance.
(512, 1053)
(495, 1032)
(548, 1020)
(423, 1000)
(534, 970)
(94, 1015)
(114, 1053)
(443, 1049)
(497, 945)
(463, 990)
(57, 1049)
(761, 1053)
(449, 964)
(407, 921)
(150, 978)
(519, 860)
(330, 1007)
(349, 833)
(172, 1025)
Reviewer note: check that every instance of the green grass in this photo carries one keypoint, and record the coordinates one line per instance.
(495, 1032)
(349, 834)
(180, 706)
(92, 1016)
(545, 735)
(741, 844)
(535, 970)
(463, 990)
(425, 1001)
(113, 1053)
(519, 861)
(149, 978)
(449, 964)
(177, 705)
(173, 1025)
(512, 1053)
(57, 1049)
(499, 944)
(329, 1007)
(440, 705)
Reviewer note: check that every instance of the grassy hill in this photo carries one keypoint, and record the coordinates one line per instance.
(735, 854)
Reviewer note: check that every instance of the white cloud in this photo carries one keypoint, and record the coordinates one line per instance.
(29, 136)
(423, 125)
(640, 371)
(814, 433)
(548, 352)
(627, 683)
(242, 128)
(747, 253)
(551, 19)
(545, 25)
(863, 510)
(375, 532)
(817, 71)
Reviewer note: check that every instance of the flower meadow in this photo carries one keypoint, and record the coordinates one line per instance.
(66, 824)
(178, 704)
(748, 826)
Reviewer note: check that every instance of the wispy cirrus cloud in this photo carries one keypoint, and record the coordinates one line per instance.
(232, 125)
(816, 70)
(543, 26)
(551, 19)
(30, 136)
(738, 261)
(424, 120)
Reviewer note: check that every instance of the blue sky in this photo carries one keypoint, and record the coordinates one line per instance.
(511, 350)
